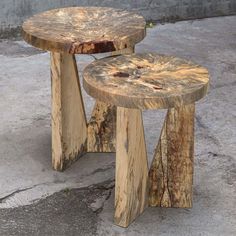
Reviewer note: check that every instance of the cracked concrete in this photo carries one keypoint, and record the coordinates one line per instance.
(34, 199)
(70, 210)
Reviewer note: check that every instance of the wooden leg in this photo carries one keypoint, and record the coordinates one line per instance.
(131, 167)
(171, 173)
(102, 125)
(102, 128)
(69, 128)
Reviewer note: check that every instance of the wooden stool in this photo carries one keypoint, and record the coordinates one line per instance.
(150, 81)
(86, 30)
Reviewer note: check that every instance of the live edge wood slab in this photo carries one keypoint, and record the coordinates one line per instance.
(146, 81)
(84, 30)
(81, 30)
(150, 81)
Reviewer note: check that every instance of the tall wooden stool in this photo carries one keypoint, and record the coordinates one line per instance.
(150, 81)
(80, 30)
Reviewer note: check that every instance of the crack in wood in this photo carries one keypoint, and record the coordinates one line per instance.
(174, 153)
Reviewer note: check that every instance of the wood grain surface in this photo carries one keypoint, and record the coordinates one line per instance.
(84, 30)
(131, 167)
(102, 128)
(69, 128)
(146, 81)
(171, 173)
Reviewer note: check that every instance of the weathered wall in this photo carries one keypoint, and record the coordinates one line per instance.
(13, 12)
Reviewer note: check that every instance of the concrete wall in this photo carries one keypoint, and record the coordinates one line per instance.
(13, 12)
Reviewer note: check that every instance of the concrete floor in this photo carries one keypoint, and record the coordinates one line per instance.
(35, 200)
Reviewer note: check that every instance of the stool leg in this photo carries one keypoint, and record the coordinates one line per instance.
(102, 125)
(102, 128)
(171, 173)
(131, 167)
(69, 128)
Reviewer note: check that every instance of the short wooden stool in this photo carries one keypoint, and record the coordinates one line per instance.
(80, 30)
(150, 81)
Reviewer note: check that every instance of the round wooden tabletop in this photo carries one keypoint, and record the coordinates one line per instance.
(84, 30)
(146, 81)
